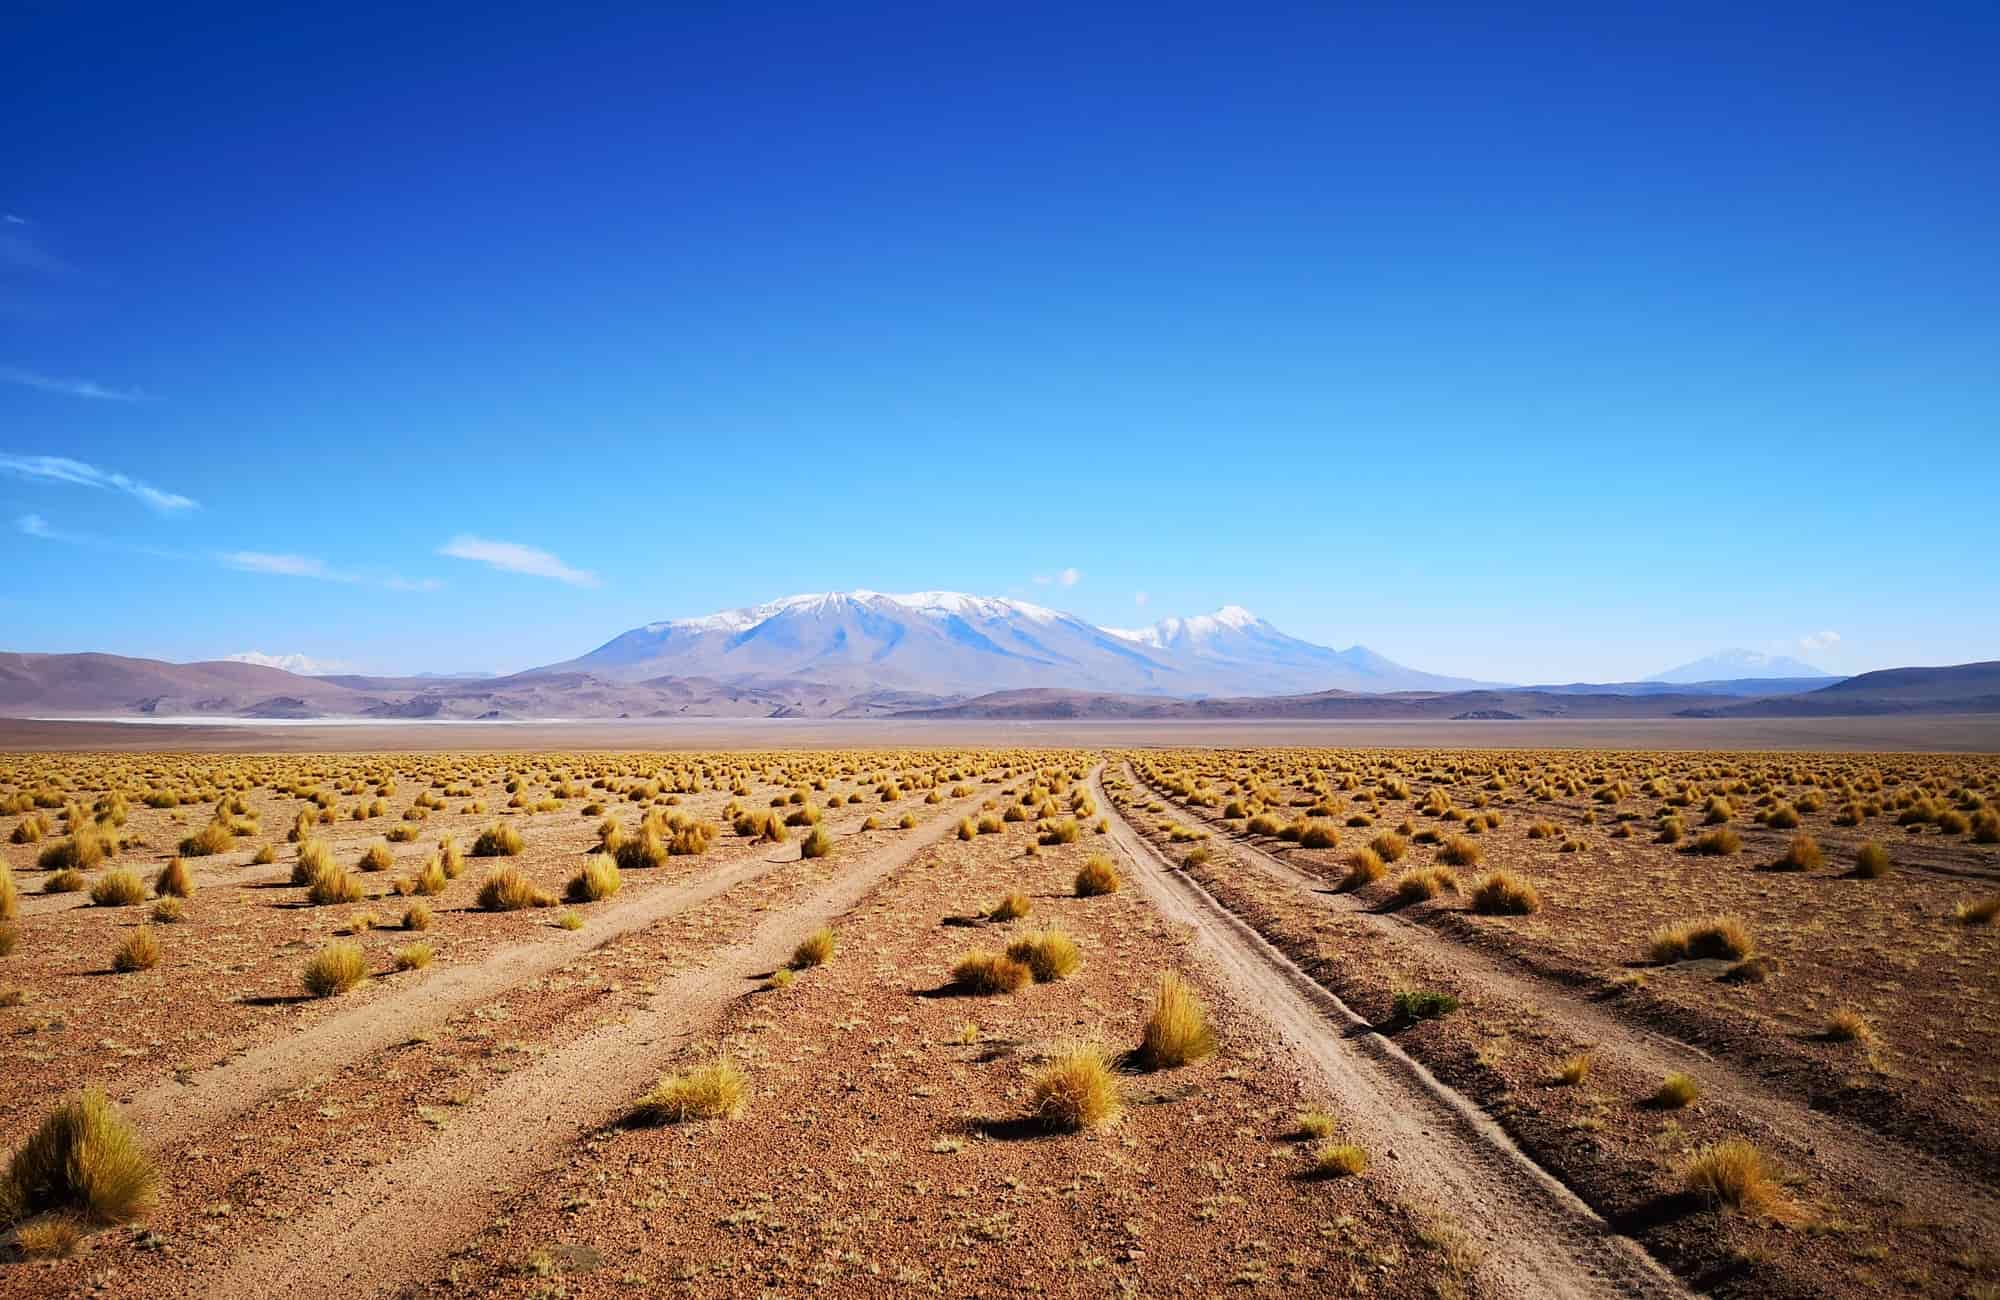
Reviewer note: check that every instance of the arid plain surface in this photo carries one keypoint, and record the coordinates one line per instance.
(1198, 1014)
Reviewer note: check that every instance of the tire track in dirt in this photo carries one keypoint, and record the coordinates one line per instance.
(410, 1212)
(1852, 1153)
(1539, 1239)
(175, 1110)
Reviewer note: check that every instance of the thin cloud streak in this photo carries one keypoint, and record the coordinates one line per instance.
(62, 469)
(68, 387)
(512, 557)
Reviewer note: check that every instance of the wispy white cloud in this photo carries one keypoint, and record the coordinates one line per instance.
(397, 582)
(293, 663)
(33, 525)
(68, 387)
(61, 469)
(289, 566)
(513, 557)
(1066, 578)
(1818, 641)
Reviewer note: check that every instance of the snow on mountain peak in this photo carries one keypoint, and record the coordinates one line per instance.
(933, 604)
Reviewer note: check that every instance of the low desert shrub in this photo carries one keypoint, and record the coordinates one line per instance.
(174, 880)
(1502, 893)
(816, 845)
(716, 1090)
(1364, 867)
(1732, 1174)
(335, 969)
(1421, 1004)
(414, 956)
(1573, 1070)
(1458, 851)
(1076, 1090)
(120, 888)
(497, 841)
(1846, 1025)
(377, 858)
(1802, 854)
(1871, 861)
(1011, 908)
(85, 1159)
(1719, 938)
(1421, 883)
(66, 881)
(140, 951)
(1979, 912)
(1718, 843)
(510, 890)
(1050, 954)
(215, 837)
(598, 880)
(816, 949)
(1062, 832)
(1177, 1030)
(1389, 846)
(985, 973)
(417, 916)
(1676, 1092)
(1097, 877)
(332, 887)
(1340, 1160)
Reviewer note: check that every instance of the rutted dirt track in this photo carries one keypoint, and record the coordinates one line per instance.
(177, 1109)
(1854, 1154)
(413, 1209)
(1540, 1239)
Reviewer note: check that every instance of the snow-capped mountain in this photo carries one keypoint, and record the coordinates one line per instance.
(1736, 665)
(946, 641)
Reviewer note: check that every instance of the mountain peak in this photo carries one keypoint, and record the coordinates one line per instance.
(1736, 664)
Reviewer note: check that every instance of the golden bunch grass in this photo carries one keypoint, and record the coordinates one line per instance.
(1177, 1031)
(333, 887)
(1871, 861)
(717, 1090)
(120, 888)
(1011, 908)
(174, 880)
(498, 840)
(510, 890)
(1340, 1160)
(1677, 1091)
(816, 845)
(816, 949)
(1502, 893)
(140, 951)
(335, 969)
(1049, 954)
(1732, 1174)
(1076, 1090)
(1096, 877)
(85, 1159)
(598, 880)
(1718, 937)
(986, 973)
(1421, 883)
(414, 956)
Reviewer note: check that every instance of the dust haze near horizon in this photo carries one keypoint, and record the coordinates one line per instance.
(1509, 345)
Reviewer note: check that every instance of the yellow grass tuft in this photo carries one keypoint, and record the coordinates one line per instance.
(1076, 1090)
(510, 890)
(1573, 1070)
(85, 1158)
(120, 888)
(174, 880)
(1177, 1031)
(598, 880)
(414, 956)
(1097, 877)
(816, 949)
(140, 951)
(1502, 893)
(1733, 1174)
(1719, 938)
(335, 969)
(1871, 861)
(713, 1091)
(1340, 1160)
(1050, 954)
(1677, 1091)
(497, 841)
(1421, 883)
(1011, 908)
(986, 973)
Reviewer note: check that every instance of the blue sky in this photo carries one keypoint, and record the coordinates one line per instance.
(1534, 342)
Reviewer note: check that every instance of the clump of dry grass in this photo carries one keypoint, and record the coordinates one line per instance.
(1315, 1124)
(1011, 908)
(314, 859)
(986, 973)
(10, 894)
(1050, 954)
(335, 969)
(417, 916)
(174, 880)
(377, 858)
(333, 887)
(1573, 1070)
(1389, 846)
(1502, 893)
(414, 956)
(816, 845)
(1718, 938)
(140, 951)
(1364, 867)
(816, 949)
(54, 1237)
(510, 890)
(1677, 1091)
(84, 1158)
(1980, 912)
(1097, 876)
(1339, 1160)
(216, 837)
(1733, 1174)
(1062, 832)
(1458, 851)
(497, 841)
(1076, 1090)
(1802, 854)
(120, 888)
(1421, 883)
(598, 880)
(1719, 843)
(716, 1090)
(1177, 1031)
(1846, 1025)
(1871, 861)
(66, 881)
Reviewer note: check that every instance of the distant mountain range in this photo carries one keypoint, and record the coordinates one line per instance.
(1739, 665)
(947, 654)
(946, 642)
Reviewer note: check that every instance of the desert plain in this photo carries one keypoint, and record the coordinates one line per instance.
(1149, 1013)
